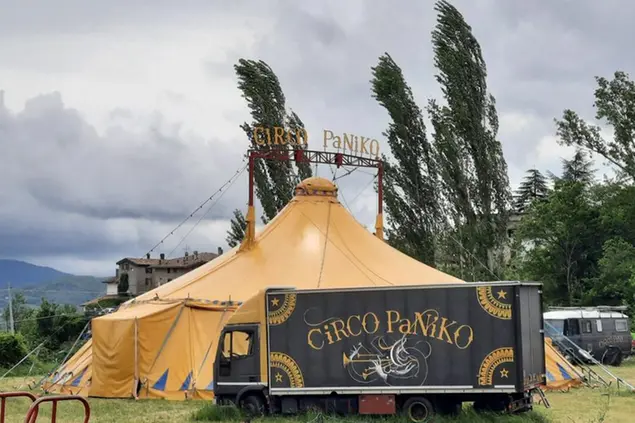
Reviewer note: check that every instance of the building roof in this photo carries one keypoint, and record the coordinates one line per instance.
(584, 314)
(177, 262)
(113, 279)
(98, 299)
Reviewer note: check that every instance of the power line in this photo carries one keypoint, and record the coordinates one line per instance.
(33, 319)
(240, 170)
(27, 290)
(235, 178)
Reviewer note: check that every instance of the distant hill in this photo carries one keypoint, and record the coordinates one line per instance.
(21, 274)
(37, 282)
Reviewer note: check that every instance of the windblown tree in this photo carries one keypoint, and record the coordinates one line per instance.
(532, 188)
(615, 103)
(274, 180)
(470, 158)
(411, 179)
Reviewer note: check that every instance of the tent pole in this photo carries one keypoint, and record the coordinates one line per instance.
(379, 223)
(135, 385)
(250, 232)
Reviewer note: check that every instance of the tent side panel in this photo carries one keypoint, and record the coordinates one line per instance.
(113, 358)
(561, 374)
(164, 352)
(73, 377)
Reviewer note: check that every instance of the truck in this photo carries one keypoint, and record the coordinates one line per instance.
(599, 334)
(409, 350)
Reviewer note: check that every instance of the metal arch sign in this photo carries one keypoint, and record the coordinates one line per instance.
(346, 142)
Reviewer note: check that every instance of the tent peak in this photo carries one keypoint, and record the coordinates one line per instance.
(316, 186)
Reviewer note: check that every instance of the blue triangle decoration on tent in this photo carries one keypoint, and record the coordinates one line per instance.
(78, 378)
(159, 385)
(210, 387)
(186, 383)
(549, 376)
(564, 373)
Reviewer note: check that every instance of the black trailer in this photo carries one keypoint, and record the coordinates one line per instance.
(416, 349)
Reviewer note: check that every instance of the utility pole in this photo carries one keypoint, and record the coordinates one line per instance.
(11, 327)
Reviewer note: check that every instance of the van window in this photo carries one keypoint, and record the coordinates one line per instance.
(621, 325)
(572, 327)
(598, 325)
(586, 326)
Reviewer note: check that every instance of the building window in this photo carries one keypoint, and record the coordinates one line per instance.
(148, 270)
(168, 270)
(148, 280)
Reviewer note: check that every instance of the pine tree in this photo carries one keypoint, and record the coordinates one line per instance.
(274, 180)
(578, 169)
(533, 187)
(411, 180)
(473, 169)
(237, 231)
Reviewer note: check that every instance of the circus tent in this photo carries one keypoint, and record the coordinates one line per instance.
(161, 344)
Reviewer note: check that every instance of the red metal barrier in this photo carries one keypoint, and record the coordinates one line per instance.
(31, 415)
(5, 395)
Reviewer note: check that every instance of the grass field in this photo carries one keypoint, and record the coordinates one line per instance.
(581, 405)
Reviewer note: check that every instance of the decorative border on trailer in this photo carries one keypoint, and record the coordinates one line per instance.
(493, 306)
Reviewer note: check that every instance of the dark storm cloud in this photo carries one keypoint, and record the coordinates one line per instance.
(65, 187)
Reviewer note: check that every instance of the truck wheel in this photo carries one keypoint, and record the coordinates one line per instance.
(418, 409)
(253, 405)
(612, 356)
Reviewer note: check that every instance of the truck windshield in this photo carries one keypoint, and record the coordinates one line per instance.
(555, 327)
(237, 344)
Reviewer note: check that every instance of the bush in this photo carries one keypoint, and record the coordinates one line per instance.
(217, 413)
(12, 349)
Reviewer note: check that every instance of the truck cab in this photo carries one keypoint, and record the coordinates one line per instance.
(240, 366)
(603, 332)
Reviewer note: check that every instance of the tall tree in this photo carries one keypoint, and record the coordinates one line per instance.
(473, 169)
(411, 180)
(615, 103)
(564, 232)
(577, 169)
(533, 187)
(274, 180)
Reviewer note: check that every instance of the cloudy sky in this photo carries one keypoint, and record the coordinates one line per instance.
(119, 118)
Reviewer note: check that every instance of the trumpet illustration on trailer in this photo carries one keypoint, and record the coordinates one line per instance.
(389, 363)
